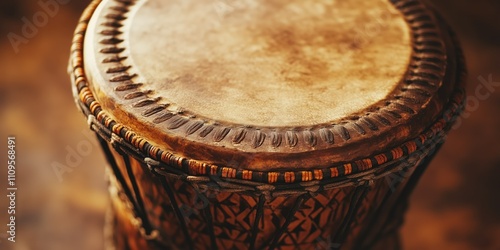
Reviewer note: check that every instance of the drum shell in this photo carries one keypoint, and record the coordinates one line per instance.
(352, 216)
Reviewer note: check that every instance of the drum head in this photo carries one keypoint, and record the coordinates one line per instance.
(270, 64)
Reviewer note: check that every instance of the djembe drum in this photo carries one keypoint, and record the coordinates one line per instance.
(264, 124)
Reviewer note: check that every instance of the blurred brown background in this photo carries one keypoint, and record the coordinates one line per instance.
(455, 206)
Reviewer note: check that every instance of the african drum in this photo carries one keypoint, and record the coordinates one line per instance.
(257, 124)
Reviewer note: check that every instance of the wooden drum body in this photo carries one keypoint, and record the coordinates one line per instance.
(264, 124)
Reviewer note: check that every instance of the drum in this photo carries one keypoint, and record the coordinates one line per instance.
(259, 124)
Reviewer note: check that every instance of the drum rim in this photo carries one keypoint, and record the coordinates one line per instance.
(119, 133)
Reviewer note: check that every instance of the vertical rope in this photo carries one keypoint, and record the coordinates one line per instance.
(258, 216)
(177, 211)
(288, 220)
(140, 204)
(208, 216)
(116, 171)
(358, 196)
